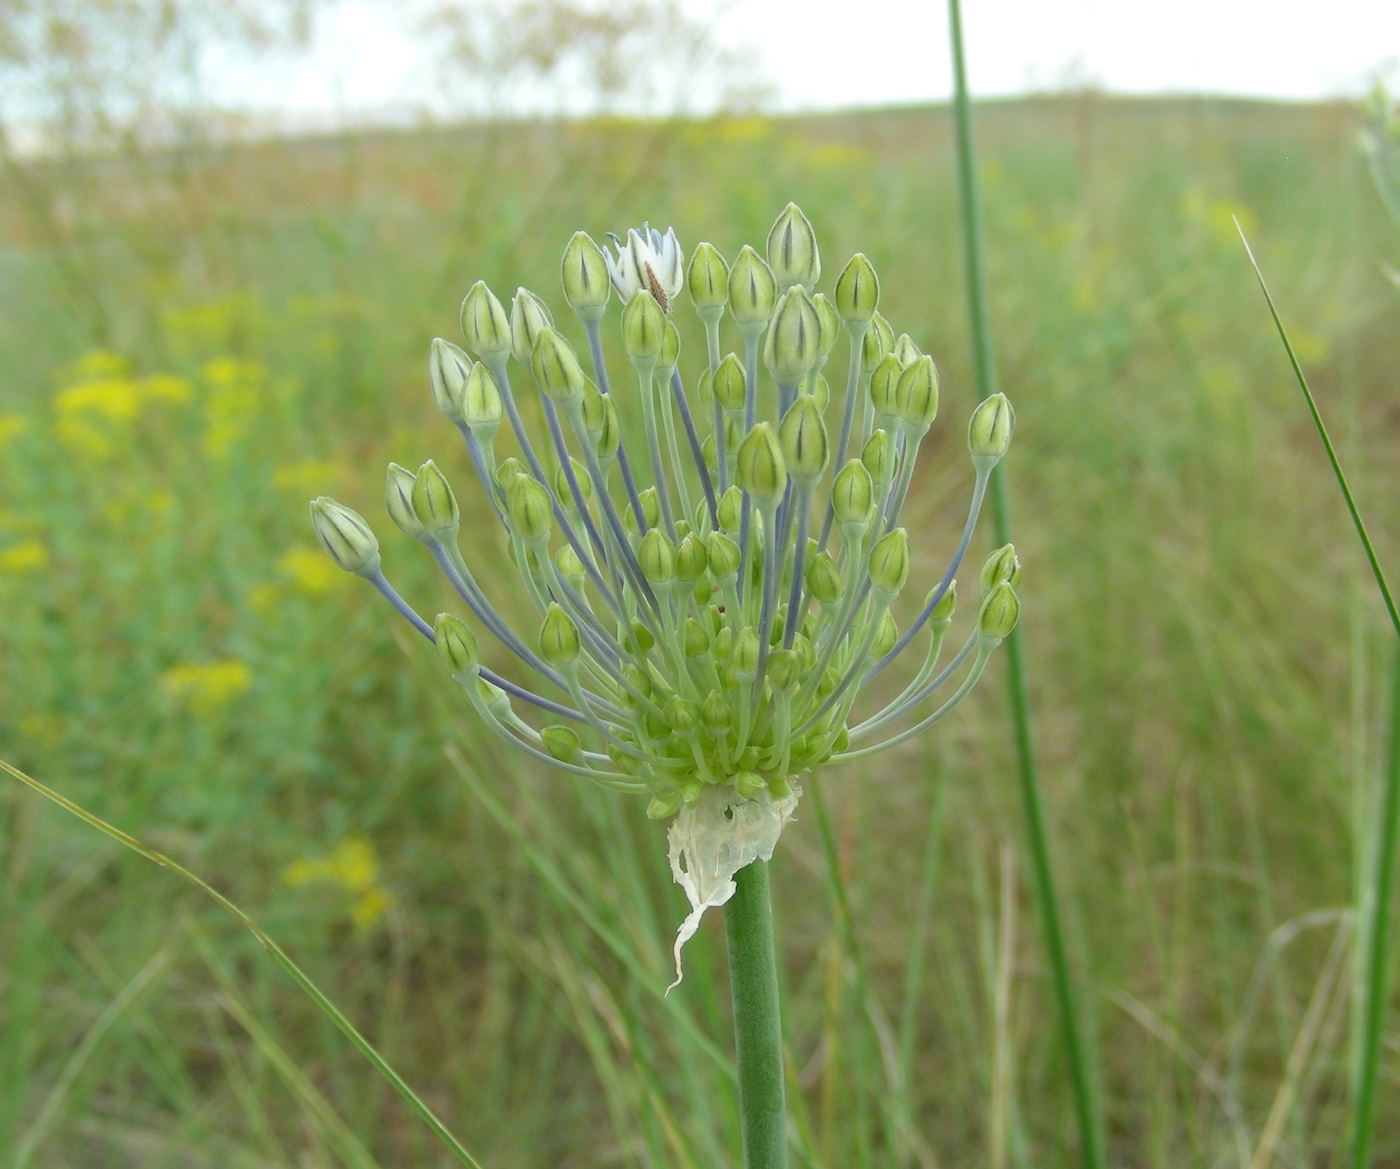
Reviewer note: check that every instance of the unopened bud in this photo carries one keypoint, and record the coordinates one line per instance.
(723, 644)
(659, 809)
(562, 491)
(784, 669)
(345, 536)
(750, 784)
(989, 432)
(857, 289)
(714, 711)
(1000, 612)
(877, 343)
(889, 562)
(456, 645)
(657, 557)
(884, 387)
(561, 742)
(559, 641)
(610, 436)
(905, 351)
(447, 375)
(752, 289)
(696, 638)
(569, 566)
(594, 412)
(528, 315)
(943, 611)
(792, 249)
(875, 455)
(792, 346)
(887, 636)
(723, 556)
(1001, 565)
(682, 716)
(481, 403)
(824, 578)
(586, 282)
(821, 393)
(691, 558)
(744, 655)
(507, 473)
(708, 280)
(762, 472)
(555, 367)
(670, 348)
(729, 383)
(434, 503)
(851, 492)
(916, 394)
(484, 322)
(731, 508)
(802, 435)
(643, 327)
(530, 509)
(828, 323)
(398, 500)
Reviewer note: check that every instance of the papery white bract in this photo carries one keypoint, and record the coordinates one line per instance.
(647, 260)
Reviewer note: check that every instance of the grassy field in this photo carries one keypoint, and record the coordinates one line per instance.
(195, 343)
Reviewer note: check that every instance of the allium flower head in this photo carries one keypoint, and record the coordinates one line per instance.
(713, 599)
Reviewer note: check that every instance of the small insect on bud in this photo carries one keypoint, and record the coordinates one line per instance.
(828, 323)
(345, 536)
(569, 566)
(792, 249)
(857, 290)
(989, 431)
(999, 614)
(744, 655)
(485, 325)
(792, 346)
(803, 437)
(681, 716)
(587, 285)
(691, 558)
(670, 349)
(824, 578)
(528, 315)
(906, 351)
(434, 503)
(456, 645)
(730, 511)
(555, 367)
(561, 482)
(886, 638)
(643, 328)
(784, 669)
(723, 556)
(530, 509)
(447, 375)
(752, 290)
(657, 557)
(696, 638)
(398, 500)
(559, 641)
(877, 344)
(889, 562)
(943, 611)
(1001, 565)
(762, 472)
(561, 743)
(884, 387)
(481, 403)
(875, 455)
(708, 281)
(916, 395)
(851, 493)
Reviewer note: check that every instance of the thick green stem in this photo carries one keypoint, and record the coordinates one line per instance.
(758, 1035)
(1047, 902)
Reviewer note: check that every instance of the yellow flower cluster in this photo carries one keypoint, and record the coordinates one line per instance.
(206, 688)
(355, 868)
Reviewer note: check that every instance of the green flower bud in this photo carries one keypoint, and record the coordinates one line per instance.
(886, 638)
(447, 375)
(398, 500)
(561, 742)
(857, 289)
(481, 403)
(714, 711)
(671, 347)
(802, 436)
(682, 716)
(989, 432)
(637, 678)
(559, 641)
(586, 282)
(830, 679)
(683, 529)
(1000, 612)
(628, 765)
(752, 290)
(730, 509)
(729, 383)
(784, 669)
(750, 784)
(496, 699)
(691, 557)
(916, 394)
(610, 436)
(697, 638)
(651, 511)
(484, 322)
(884, 387)
(659, 809)
(793, 343)
(733, 436)
(779, 788)
(828, 323)
(762, 472)
(657, 557)
(803, 649)
(345, 536)
(889, 562)
(723, 556)
(708, 279)
(528, 315)
(507, 473)
(905, 351)
(594, 410)
(555, 367)
(1001, 565)
(531, 510)
(824, 578)
(561, 482)
(821, 393)
(434, 503)
(643, 328)
(875, 455)
(792, 249)
(744, 656)
(723, 644)
(456, 645)
(877, 343)
(569, 566)
(851, 492)
(943, 611)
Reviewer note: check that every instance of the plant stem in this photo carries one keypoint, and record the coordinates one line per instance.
(1047, 902)
(758, 1036)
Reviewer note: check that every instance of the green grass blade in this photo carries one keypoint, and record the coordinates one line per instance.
(361, 1044)
(1042, 873)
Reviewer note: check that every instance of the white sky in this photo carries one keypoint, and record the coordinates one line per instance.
(870, 52)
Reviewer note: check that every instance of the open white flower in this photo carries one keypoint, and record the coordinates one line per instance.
(649, 260)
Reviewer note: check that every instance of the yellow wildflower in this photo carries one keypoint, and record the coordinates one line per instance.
(12, 426)
(308, 477)
(26, 556)
(205, 688)
(235, 393)
(354, 867)
(311, 572)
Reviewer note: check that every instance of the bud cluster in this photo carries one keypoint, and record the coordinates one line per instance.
(711, 600)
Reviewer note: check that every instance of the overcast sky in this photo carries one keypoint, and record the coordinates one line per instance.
(891, 51)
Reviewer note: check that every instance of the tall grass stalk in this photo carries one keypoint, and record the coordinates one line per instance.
(1042, 873)
(1374, 911)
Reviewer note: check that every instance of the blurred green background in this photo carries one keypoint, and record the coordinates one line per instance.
(197, 339)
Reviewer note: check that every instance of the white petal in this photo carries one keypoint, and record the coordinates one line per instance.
(671, 271)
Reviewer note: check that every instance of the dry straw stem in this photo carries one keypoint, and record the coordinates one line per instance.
(299, 976)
